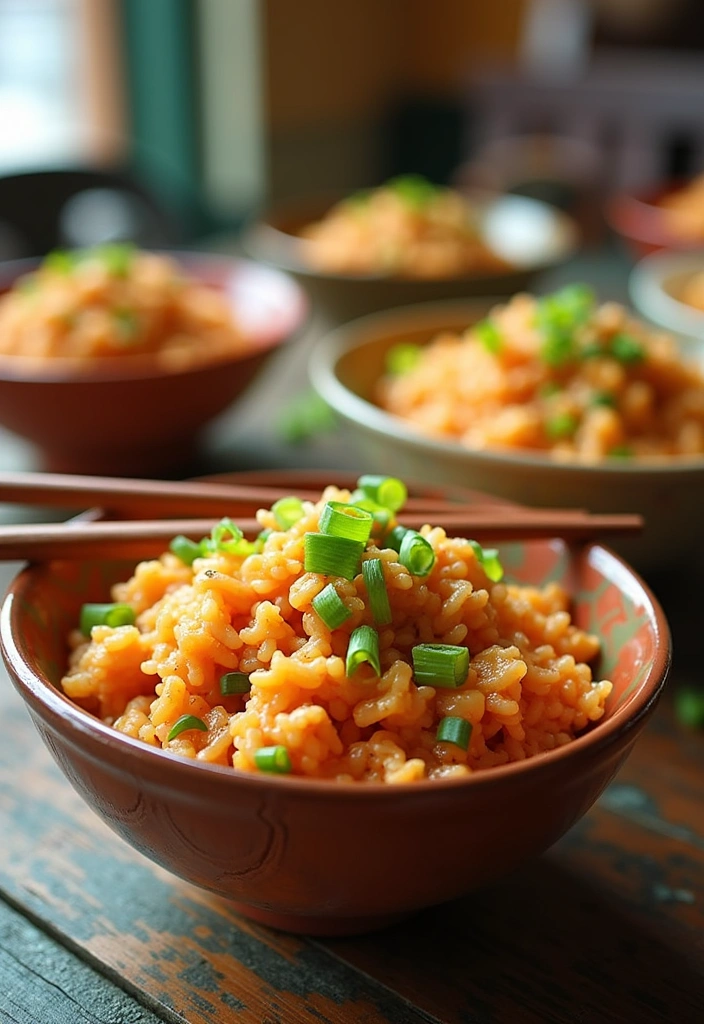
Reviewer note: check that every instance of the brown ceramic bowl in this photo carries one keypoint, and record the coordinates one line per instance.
(128, 415)
(324, 858)
(346, 365)
(531, 235)
(637, 218)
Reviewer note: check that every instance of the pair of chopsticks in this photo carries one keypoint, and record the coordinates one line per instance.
(151, 512)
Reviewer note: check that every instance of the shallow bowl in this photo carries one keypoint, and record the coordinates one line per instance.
(655, 286)
(637, 218)
(531, 235)
(346, 365)
(129, 415)
(324, 858)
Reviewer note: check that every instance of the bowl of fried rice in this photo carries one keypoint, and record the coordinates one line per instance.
(114, 359)
(409, 240)
(556, 400)
(336, 720)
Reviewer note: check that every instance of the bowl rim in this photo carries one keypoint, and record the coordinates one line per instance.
(97, 739)
(638, 216)
(647, 287)
(263, 239)
(147, 366)
(369, 330)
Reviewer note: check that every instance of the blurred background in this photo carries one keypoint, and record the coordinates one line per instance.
(179, 118)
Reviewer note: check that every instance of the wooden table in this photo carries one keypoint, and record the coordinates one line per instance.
(605, 928)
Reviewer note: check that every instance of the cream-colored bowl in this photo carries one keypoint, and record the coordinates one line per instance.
(346, 365)
(656, 285)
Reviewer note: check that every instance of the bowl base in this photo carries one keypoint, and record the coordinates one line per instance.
(305, 924)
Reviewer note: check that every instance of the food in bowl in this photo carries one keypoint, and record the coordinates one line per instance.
(561, 375)
(682, 211)
(116, 301)
(407, 227)
(338, 645)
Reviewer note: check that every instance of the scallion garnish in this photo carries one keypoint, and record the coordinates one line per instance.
(264, 535)
(381, 516)
(627, 349)
(113, 615)
(60, 260)
(332, 556)
(443, 665)
(185, 549)
(402, 357)
(603, 399)
(273, 759)
(386, 491)
(183, 724)
(549, 388)
(689, 707)
(330, 607)
(416, 554)
(488, 558)
(454, 730)
(363, 646)
(395, 537)
(341, 520)
(287, 511)
(621, 451)
(225, 536)
(562, 424)
(373, 573)
(557, 347)
(489, 335)
(117, 257)
(412, 189)
(234, 682)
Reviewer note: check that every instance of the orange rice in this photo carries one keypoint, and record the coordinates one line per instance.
(529, 689)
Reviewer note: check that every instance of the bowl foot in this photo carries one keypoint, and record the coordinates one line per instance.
(305, 924)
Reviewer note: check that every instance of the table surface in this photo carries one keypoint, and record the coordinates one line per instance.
(607, 926)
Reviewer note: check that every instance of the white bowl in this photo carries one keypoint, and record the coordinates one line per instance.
(656, 283)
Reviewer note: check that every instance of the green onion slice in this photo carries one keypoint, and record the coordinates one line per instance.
(106, 615)
(689, 707)
(416, 553)
(402, 357)
(225, 536)
(621, 451)
(443, 665)
(183, 724)
(363, 646)
(454, 730)
(332, 556)
(627, 349)
(386, 491)
(381, 516)
(287, 511)
(330, 607)
(273, 759)
(489, 335)
(395, 537)
(373, 573)
(562, 424)
(117, 257)
(234, 682)
(488, 558)
(185, 549)
(413, 189)
(603, 398)
(60, 260)
(339, 519)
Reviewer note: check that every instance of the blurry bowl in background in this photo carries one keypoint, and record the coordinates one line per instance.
(530, 235)
(131, 415)
(639, 221)
(346, 365)
(658, 285)
(322, 857)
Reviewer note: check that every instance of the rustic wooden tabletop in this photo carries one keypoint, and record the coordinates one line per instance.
(605, 928)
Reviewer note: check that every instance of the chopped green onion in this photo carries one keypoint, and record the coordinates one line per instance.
(330, 607)
(489, 335)
(332, 556)
(627, 349)
(185, 549)
(454, 730)
(273, 759)
(402, 357)
(117, 257)
(394, 538)
(113, 615)
(443, 665)
(234, 682)
(689, 707)
(381, 516)
(218, 539)
(373, 573)
(127, 323)
(413, 189)
(416, 553)
(594, 350)
(386, 491)
(359, 198)
(563, 424)
(60, 260)
(558, 316)
(287, 511)
(621, 451)
(339, 519)
(488, 558)
(603, 398)
(183, 724)
(557, 347)
(264, 535)
(363, 646)
(549, 388)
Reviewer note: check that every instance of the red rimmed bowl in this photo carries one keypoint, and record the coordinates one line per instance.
(639, 220)
(132, 415)
(324, 858)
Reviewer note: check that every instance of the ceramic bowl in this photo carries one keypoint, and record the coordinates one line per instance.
(130, 416)
(345, 366)
(324, 858)
(637, 218)
(531, 235)
(656, 285)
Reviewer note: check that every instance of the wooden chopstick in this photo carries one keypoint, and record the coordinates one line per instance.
(145, 539)
(147, 499)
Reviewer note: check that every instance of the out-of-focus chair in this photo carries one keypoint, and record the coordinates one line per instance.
(42, 210)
